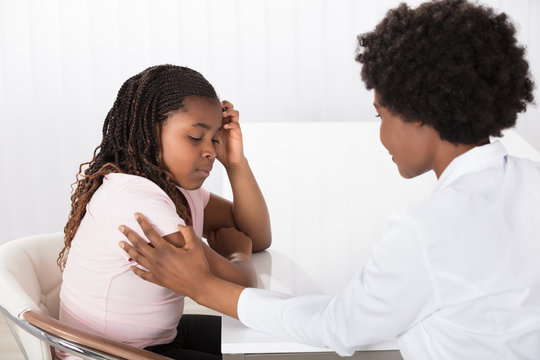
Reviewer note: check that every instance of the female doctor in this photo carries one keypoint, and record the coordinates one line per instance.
(456, 276)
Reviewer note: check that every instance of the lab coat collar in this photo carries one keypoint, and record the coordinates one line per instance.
(473, 160)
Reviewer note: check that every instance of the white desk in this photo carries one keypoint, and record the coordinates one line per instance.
(277, 271)
(323, 183)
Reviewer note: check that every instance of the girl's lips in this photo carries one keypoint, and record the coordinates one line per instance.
(205, 172)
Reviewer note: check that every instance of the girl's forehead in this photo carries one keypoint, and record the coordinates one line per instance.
(202, 105)
(198, 100)
(198, 111)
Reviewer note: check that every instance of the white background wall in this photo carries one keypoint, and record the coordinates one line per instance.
(62, 62)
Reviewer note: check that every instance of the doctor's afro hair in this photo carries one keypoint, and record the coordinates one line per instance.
(450, 64)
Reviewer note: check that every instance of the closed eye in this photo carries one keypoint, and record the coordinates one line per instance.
(215, 141)
(195, 139)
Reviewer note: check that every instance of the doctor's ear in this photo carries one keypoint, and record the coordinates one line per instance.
(418, 123)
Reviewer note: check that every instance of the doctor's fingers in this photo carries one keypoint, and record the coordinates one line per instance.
(145, 275)
(152, 235)
(139, 250)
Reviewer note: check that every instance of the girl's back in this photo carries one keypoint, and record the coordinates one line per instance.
(99, 292)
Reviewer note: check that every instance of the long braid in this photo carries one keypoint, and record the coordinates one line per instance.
(130, 141)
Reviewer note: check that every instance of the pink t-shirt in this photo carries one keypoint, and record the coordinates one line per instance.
(99, 293)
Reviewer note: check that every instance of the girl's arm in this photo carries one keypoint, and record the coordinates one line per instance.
(230, 256)
(234, 263)
(248, 211)
(165, 265)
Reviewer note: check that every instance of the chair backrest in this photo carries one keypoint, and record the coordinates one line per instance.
(30, 284)
(30, 280)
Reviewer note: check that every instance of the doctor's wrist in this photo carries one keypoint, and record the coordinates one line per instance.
(219, 295)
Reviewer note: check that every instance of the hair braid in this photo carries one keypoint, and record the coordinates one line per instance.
(130, 141)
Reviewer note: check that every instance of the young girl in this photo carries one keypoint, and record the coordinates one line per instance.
(456, 276)
(160, 140)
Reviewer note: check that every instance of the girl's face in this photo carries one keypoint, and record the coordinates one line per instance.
(411, 144)
(187, 139)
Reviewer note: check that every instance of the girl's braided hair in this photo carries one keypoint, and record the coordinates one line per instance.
(130, 141)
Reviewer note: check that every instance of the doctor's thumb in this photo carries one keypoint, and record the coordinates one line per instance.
(188, 234)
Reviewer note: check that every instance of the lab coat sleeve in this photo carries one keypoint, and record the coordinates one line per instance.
(391, 293)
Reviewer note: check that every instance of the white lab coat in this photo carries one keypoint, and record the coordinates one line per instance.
(454, 277)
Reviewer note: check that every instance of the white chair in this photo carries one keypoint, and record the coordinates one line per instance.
(29, 301)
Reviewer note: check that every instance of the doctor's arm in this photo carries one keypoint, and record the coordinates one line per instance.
(388, 296)
(167, 264)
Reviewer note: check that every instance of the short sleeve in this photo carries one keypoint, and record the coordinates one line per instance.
(157, 208)
(118, 206)
(197, 200)
(205, 196)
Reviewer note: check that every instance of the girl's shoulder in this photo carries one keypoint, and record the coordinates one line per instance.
(119, 184)
(121, 180)
(127, 187)
(121, 192)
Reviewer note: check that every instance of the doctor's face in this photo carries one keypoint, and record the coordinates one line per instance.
(411, 144)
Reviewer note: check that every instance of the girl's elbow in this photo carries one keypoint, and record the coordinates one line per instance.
(262, 244)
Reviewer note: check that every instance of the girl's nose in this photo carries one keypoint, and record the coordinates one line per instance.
(209, 152)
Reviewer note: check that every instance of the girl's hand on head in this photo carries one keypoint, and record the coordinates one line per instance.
(229, 241)
(230, 150)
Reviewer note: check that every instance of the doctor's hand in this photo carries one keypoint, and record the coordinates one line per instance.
(180, 269)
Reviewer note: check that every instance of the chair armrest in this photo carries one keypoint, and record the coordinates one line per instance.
(100, 343)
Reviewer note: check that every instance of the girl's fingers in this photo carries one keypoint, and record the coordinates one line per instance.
(211, 238)
(229, 113)
(232, 114)
(232, 126)
(226, 105)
